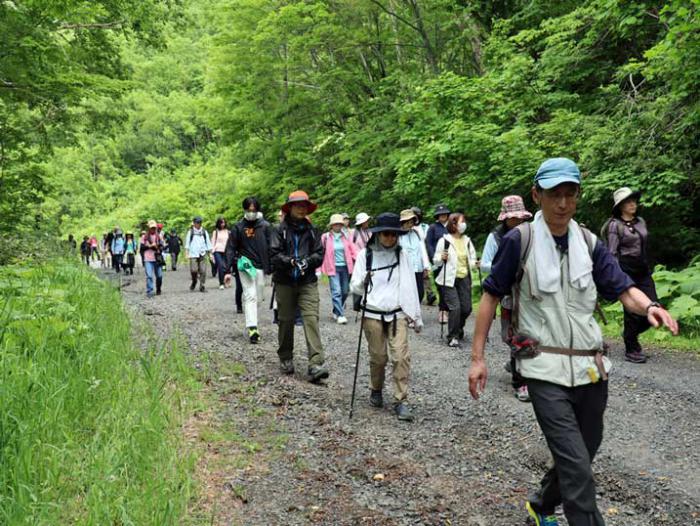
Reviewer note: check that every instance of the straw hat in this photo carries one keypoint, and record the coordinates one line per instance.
(152, 224)
(407, 215)
(336, 219)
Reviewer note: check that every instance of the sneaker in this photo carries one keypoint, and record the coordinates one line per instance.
(342, 320)
(375, 398)
(508, 367)
(287, 367)
(335, 316)
(221, 287)
(402, 411)
(454, 342)
(239, 310)
(202, 289)
(299, 322)
(317, 373)
(253, 335)
(537, 519)
(636, 357)
(522, 394)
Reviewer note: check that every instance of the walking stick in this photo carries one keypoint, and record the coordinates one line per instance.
(272, 298)
(359, 344)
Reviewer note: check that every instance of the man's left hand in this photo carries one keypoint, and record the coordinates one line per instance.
(658, 316)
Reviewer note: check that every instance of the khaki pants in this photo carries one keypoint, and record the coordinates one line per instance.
(384, 346)
(306, 297)
(198, 266)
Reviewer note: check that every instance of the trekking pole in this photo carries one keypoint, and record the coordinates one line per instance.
(272, 298)
(359, 345)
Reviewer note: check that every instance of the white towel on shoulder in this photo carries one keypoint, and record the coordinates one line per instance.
(547, 259)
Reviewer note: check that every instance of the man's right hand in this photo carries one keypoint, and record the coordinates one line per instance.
(477, 378)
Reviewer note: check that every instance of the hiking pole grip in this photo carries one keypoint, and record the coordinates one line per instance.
(359, 346)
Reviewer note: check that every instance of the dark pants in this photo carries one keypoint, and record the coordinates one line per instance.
(634, 324)
(173, 260)
(571, 419)
(86, 257)
(420, 286)
(441, 295)
(129, 263)
(289, 299)
(459, 302)
(239, 293)
(220, 264)
(117, 262)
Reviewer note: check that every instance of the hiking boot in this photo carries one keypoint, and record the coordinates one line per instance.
(193, 285)
(287, 367)
(342, 320)
(538, 519)
(239, 310)
(317, 373)
(522, 394)
(636, 357)
(430, 300)
(402, 411)
(375, 398)
(158, 292)
(202, 289)
(454, 342)
(253, 335)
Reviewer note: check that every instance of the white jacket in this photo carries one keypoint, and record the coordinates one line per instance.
(450, 270)
(385, 294)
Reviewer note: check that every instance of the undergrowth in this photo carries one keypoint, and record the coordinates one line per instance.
(90, 425)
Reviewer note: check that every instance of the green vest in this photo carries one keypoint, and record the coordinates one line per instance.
(562, 319)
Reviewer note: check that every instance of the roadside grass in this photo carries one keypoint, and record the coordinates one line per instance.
(90, 425)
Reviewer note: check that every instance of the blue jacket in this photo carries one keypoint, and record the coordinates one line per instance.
(435, 233)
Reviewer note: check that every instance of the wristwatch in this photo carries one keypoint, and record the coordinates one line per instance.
(653, 304)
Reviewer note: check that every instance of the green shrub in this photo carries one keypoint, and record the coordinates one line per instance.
(89, 426)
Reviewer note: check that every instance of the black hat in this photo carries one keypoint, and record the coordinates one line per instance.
(197, 219)
(441, 210)
(417, 211)
(387, 222)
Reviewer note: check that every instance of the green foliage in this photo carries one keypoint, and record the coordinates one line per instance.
(90, 426)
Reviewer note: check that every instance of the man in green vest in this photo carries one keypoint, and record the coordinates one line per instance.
(554, 268)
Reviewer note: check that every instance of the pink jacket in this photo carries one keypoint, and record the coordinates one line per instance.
(328, 265)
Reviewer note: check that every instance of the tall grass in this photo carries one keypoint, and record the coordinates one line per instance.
(89, 424)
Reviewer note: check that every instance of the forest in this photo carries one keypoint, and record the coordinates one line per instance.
(116, 111)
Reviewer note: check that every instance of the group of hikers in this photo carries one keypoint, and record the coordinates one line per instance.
(545, 274)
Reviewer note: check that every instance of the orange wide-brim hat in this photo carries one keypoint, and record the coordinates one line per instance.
(299, 196)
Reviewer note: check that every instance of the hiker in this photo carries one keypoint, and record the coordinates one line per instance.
(85, 250)
(110, 237)
(361, 234)
(454, 258)
(296, 252)
(130, 250)
(414, 248)
(422, 229)
(627, 238)
(94, 250)
(152, 250)
(174, 243)
(72, 244)
(105, 251)
(384, 276)
(554, 269)
(197, 250)
(346, 226)
(338, 260)
(117, 248)
(298, 321)
(513, 213)
(248, 248)
(219, 238)
(435, 232)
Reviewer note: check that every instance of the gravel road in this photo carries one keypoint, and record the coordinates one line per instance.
(461, 462)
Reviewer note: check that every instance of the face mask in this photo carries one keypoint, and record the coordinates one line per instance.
(251, 216)
(462, 228)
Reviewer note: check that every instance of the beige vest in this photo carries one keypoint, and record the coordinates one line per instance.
(563, 319)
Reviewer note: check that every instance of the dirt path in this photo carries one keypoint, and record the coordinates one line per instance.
(283, 451)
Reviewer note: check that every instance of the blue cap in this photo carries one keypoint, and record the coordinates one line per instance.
(556, 171)
(197, 219)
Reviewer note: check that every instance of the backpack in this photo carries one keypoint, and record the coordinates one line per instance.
(368, 269)
(620, 230)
